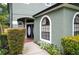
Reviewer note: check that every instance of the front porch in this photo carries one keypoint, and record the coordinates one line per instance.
(28, 24)
(30, 48)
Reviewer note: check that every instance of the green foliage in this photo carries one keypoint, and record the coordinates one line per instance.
(4, 9)
(50, 48)
(71, 45)
(3, 17)
(3, 44)
(16, 40)
(3, 51)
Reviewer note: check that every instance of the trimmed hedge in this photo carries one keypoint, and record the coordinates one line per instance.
(70, 45)
(4, 49)
(50, 48)
(16, 40)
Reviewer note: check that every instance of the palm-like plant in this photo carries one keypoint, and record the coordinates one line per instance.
(3, 16)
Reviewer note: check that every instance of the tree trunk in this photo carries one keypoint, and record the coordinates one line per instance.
(1, 29)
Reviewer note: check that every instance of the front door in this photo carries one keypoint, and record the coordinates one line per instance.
(30, 30)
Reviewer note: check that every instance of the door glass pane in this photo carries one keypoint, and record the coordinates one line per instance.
(29, 30)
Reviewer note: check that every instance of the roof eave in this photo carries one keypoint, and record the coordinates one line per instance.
(46, 9)
(60, 6)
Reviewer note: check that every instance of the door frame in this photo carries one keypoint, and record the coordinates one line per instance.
(26, 26)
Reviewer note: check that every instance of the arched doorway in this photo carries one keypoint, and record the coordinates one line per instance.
(28, 24)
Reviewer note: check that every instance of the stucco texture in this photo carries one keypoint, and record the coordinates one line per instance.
(61, 24)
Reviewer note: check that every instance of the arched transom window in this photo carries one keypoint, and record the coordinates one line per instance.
(45, 28)
(76, 24)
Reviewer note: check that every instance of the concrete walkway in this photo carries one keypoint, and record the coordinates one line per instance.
(30, 48)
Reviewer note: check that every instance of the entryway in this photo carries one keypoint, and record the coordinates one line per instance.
(28, 24)
(30, 33)
(30, 48)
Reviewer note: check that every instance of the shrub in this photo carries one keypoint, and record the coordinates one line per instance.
(50, 48)
(71, 45)
(16, 40)
(3, 51)
(6, 31)
(4, 44)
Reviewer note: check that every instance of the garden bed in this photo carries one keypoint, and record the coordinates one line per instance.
(50, 48)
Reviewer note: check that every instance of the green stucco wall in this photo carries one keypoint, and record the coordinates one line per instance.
(68, 20)
(61, 24)
(37, 29)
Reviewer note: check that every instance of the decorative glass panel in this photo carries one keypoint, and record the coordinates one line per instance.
(77, 19)
(45, 21)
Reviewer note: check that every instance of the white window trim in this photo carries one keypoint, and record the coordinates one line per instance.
(48, 41)
(73, 23)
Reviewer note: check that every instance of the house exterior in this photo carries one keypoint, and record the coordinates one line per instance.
(23, 13)
(52, 23)
(21, 10)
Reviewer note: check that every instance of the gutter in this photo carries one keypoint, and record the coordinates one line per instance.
(47, 9)
(55, 8)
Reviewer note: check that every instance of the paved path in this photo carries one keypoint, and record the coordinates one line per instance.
(30, 48)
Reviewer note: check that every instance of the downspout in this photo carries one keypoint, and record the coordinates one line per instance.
(10, 14)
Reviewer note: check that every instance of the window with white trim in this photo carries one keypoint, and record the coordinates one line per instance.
(20, 24)
(45, 28)
(76, 25)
